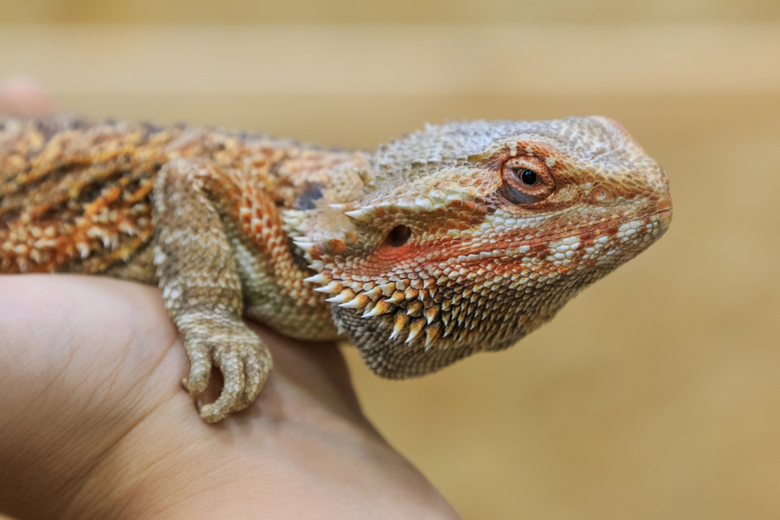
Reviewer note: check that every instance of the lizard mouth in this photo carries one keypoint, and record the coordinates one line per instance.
(662, 217)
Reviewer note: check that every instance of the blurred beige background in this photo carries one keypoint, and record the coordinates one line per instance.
(656, 393)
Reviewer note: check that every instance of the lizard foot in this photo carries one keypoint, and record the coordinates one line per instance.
(241, 357)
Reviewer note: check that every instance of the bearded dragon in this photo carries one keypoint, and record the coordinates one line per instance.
(452, 240)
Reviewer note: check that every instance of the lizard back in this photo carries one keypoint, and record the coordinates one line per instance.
(76, 196)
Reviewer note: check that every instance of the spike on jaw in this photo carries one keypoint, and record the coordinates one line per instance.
(387, 288)
(374, 293)
(396, 298)
(318, 278)
(332, 288)
(432, 333)
(382, 307)
(358, 302)
(415, 309)
(415, 328)
(344, 296)
(448, 329)
(431, 313)
(401, 320)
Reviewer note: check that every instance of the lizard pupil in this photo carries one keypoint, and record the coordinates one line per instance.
(528, 177)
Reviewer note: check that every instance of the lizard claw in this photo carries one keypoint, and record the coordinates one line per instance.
(200, 369)
(230, 398)
(244, 362)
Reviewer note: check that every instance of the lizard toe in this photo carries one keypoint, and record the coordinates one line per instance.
(257, 366)
(230, 399)
(200, 369)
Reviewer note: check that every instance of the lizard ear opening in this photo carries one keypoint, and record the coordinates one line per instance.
(399, 235)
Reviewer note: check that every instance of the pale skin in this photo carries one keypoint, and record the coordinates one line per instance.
(92, 427)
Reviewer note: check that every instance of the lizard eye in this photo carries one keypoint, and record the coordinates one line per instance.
(526, 180)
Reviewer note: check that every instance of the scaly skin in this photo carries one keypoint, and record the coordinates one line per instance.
(453, 240)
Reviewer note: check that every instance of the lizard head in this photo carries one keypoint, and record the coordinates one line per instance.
(469, 236)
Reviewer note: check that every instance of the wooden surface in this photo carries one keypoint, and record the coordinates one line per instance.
(656, 393)
(403, 12)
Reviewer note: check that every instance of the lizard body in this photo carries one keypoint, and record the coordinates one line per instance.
(452, 240)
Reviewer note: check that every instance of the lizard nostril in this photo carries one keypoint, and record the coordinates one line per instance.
(398, 236)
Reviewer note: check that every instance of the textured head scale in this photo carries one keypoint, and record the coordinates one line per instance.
(471, 235)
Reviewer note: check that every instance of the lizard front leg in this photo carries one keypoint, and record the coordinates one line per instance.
(198, 273)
